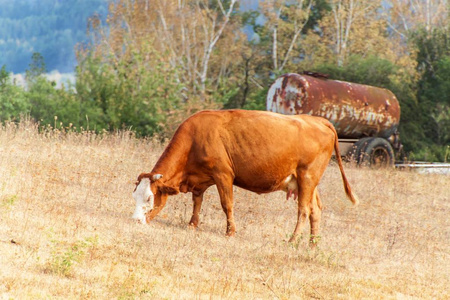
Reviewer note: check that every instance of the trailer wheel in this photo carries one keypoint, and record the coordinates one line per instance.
(354, 154)
(375, 152)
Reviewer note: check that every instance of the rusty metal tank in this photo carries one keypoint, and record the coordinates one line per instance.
(356, 110)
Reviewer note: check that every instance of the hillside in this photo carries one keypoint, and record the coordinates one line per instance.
(66, 232)
(50, 27)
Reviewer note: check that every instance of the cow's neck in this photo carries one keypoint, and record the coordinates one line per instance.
(172, 162)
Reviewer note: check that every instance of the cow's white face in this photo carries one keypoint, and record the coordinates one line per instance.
(144, 200)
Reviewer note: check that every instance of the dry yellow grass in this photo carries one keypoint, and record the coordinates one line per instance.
(66, 232)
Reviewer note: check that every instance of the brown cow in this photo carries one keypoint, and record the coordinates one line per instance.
(259, 151)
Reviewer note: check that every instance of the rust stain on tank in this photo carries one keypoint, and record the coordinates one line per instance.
(356, 110)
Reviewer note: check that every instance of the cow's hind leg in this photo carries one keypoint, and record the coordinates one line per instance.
(225, 188)
(304, 211)
(197, 199)
(314, 219)
(307, 181)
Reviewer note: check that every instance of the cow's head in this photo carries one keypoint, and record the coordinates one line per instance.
(150, 193)
(144, 196)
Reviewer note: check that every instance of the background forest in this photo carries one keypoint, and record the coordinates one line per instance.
(147, 64)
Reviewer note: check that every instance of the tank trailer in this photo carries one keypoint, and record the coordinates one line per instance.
(366, 118)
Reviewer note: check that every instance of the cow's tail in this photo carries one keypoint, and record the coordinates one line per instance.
(347, 188)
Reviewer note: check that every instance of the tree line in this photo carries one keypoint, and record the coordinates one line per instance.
(153, 62)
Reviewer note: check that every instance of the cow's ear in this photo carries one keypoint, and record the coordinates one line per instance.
(164, 189)
(156, 177)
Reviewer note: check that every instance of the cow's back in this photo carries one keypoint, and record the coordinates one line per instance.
(260, 148)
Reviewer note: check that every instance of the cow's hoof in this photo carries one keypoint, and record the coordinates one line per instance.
(192, 226)
(293, 239)
(194, 222)
(314, 241)
(230, 233)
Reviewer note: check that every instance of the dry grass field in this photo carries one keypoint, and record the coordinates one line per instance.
(66, 231)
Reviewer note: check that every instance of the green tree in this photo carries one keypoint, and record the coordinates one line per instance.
(13, 102)
(53, 106)
(370, 70)
(433, 64)
(4, 77)
(36, 69)
(132, 93)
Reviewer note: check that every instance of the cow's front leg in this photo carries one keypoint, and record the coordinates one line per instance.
(197, 200)
(225, 189)
(159, 203)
